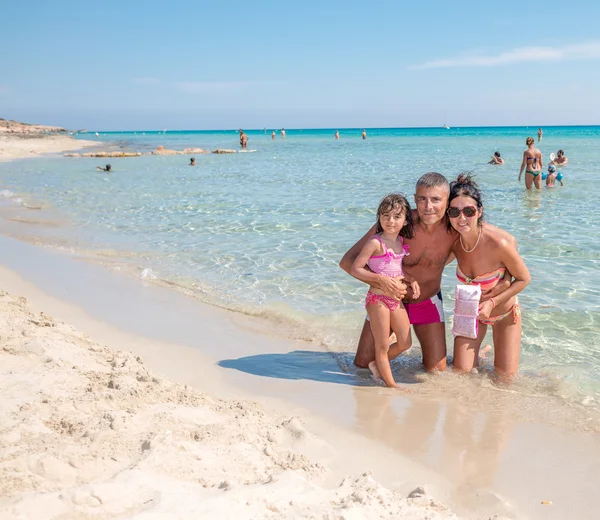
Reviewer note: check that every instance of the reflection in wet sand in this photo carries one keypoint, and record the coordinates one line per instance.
(464, 446)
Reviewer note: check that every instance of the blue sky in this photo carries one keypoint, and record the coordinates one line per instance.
(229, 64)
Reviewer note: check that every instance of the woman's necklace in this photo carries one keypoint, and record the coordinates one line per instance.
(476, 243)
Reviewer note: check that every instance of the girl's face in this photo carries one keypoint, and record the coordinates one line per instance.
(392, 220)
(464, 214)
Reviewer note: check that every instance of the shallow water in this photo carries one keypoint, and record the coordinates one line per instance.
(263, 232)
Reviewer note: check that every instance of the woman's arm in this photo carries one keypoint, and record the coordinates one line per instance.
(513, 262)
(523, 164)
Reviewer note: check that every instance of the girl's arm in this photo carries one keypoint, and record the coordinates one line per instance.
(352, 253)
(414, 285)
(358, 269)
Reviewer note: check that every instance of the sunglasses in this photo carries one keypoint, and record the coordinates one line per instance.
(467, 211)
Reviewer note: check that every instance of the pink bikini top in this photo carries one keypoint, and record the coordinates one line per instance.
(389, 263)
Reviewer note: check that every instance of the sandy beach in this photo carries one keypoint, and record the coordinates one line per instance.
(19, 140)
(90, 432)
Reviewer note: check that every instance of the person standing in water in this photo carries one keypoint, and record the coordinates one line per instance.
(243, 140)
(273, 135)
(337, 134)
(364, 134)
(532, 164)
(486, 266)
(283, 134)
(383, 254)
(540, 133)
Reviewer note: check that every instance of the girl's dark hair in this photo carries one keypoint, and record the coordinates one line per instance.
(465, 185)
(397, 201)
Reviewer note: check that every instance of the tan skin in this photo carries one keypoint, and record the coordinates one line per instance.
(493, 251)
(382, 319)
(528, 159)
(430, 251)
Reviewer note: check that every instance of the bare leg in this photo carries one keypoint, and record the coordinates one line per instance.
(380, 325)
(432, 338)
(366, 347)
(507, 347)
(401, 327)
(537, 180)
(466, 350)
(528, 180)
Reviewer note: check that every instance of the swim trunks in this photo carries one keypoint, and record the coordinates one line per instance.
(427, 311)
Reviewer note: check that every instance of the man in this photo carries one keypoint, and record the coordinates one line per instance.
(243, 140)
(430, 251)
(496, 159)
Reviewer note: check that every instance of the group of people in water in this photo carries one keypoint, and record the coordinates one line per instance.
(533, 165)
(402, 257)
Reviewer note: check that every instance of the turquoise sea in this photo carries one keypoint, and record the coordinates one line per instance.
(263, 232)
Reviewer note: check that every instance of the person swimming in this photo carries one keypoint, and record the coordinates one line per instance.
(193, 161)
(107, 168)
(496, 159)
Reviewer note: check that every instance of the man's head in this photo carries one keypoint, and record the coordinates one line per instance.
(431, 197)
(497, 154)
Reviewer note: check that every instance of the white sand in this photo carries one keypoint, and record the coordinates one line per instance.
(88, 432)
(19, 146)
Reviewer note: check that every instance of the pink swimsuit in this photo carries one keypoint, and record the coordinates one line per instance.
(387, 264)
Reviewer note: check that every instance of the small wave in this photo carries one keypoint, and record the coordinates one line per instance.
(148, 274)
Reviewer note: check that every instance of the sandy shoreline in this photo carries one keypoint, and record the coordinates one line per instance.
(19, 146)
(88, 431)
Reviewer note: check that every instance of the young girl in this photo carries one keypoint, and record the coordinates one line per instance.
(383, 254)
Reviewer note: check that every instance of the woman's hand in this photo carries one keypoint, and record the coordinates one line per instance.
(485, 309)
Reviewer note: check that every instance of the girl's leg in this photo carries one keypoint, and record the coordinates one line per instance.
(466, 350)
(507, 347)
(401, 327)
(380, 326)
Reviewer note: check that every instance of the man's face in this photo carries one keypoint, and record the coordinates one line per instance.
(431, 203)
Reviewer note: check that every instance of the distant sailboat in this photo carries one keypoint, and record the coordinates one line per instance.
(446, 119)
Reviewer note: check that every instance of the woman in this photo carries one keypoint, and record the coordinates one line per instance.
(484, 255)
(532, 164)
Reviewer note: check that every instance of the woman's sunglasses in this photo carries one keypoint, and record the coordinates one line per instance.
(467, 211)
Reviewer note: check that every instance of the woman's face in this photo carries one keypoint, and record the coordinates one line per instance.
(464, 214)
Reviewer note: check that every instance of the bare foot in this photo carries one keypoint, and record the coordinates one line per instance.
(373, 368)
(484, 351)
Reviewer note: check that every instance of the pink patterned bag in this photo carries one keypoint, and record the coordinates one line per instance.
(466, 310)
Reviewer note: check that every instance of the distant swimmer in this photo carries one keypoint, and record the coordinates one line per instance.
(496, 159)
(540, 134)
(364, 134)
(107, 168)
(283, 134)
(273, 135)
(337, 134)
(193, 161)
(560, 161)
(532, 164)
(243, 140)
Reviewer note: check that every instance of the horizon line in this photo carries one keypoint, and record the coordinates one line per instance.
(334, 128)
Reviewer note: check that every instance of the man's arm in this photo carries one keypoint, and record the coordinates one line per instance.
(352, 253)
(392, 287)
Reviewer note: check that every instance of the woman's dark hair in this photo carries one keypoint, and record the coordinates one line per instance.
(465, 185)
(396, 201)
